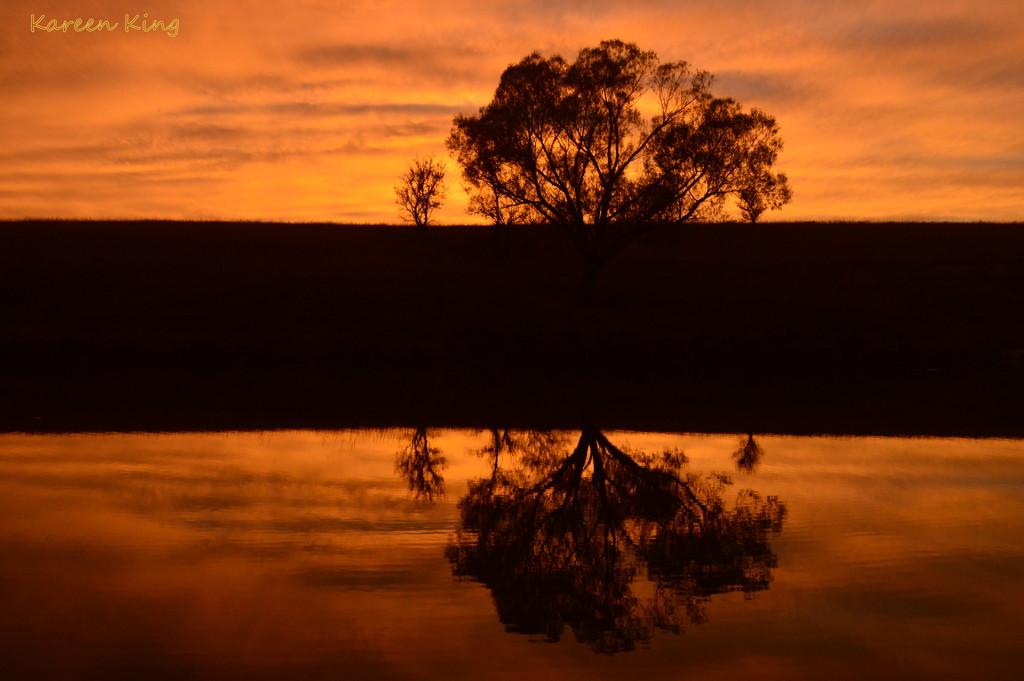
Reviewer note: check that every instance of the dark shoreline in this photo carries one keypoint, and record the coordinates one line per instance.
(831, 328)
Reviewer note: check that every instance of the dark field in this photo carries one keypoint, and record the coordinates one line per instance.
(836, 328)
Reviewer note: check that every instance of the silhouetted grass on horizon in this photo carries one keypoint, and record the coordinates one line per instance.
(809, 303)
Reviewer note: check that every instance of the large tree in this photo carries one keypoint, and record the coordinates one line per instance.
(611, 146)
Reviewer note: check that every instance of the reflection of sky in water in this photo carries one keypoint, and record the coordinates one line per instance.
(304, 555)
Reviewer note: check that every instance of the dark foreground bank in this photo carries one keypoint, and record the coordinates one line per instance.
(834, 328)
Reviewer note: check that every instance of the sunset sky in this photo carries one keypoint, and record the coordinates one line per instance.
(309, 110)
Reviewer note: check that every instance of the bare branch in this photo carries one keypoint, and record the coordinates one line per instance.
(421, 190)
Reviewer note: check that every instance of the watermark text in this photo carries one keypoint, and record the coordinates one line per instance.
(133, 23)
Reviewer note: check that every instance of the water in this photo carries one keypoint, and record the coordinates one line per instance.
(407, 554)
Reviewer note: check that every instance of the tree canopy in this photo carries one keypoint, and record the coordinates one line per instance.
(612, 145)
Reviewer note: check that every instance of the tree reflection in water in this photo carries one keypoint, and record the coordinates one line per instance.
(615, 546)
(748, 455)
(421, 466)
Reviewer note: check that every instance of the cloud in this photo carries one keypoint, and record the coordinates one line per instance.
(328, 87)
(424, 57)
(442, 67)
(331, 109)
(900, 34)
(762, 88)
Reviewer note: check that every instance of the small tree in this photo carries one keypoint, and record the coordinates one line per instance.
(421, 190)
(497, 208)
(421, 466)
(766, 193)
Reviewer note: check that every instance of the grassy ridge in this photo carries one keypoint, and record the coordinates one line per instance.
(841, 327)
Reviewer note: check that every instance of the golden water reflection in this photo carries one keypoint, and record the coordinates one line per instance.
(310, 555)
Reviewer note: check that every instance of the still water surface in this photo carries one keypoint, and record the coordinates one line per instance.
(427, 554)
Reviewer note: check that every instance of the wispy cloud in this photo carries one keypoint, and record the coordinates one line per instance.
(249, 113)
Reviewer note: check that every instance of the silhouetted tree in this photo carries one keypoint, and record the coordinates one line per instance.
(499, 209)
(421, 190)
(767, 193)
(563, 541)
(569, 143)
(421, 466)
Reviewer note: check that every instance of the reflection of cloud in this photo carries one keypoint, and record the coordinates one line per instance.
(269, 500)
(913, 541)
(347, 578)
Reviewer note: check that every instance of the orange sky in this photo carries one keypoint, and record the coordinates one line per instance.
(309, 110)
